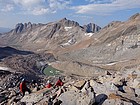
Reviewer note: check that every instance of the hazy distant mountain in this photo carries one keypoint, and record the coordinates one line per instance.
(3, 30)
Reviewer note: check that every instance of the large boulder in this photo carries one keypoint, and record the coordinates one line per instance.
(137, 92)
(133, 79)
(136, 83)
(75, 98)
(105, 88)
(92, 83)
(73, 88)
(69, 98)
(35, 97)
(86, 86)
(129, 90)
(105, 78)
(79, 84)
(99, 99)
(31, 99)
(118, 80)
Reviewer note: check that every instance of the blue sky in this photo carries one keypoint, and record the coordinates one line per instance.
(100, 12)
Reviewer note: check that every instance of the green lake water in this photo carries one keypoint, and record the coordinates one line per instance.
(50, 71)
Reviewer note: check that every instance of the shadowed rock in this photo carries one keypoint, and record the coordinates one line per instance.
(9, 51)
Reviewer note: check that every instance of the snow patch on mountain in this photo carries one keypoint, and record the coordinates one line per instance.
(70, 42)
(67, 28)
(4, 68)
(89, 34)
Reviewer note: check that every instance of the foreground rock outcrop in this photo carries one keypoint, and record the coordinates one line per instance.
(109, 89)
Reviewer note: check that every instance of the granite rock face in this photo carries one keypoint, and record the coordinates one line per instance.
(91, 28)
(40, 37)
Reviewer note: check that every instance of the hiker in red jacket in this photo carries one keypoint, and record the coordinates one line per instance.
(24, 88)
(59, 82)
(49, 85)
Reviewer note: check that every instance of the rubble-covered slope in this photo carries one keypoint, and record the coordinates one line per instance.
(110, 88)
(116, 43)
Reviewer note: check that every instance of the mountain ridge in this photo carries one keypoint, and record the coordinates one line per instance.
(27, 33)
(91, 27)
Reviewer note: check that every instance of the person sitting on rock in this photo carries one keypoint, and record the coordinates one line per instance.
(23, 87)
(59, 82)
(49, 85)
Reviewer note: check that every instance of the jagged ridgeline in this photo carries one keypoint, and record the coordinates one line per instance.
(39, 37)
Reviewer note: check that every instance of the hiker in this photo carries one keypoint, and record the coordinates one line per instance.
(59, 82)
(49, 85)
(23, 87)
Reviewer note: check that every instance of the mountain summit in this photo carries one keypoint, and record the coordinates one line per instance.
(91, 27)
(69, 23)
(20, 27)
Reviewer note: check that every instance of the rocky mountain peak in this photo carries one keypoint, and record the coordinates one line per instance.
(20, 27)
(91, 27)
(135, 17)
(63, 19)
(68, 23)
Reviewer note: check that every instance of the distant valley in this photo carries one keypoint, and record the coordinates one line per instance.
(3, 30)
